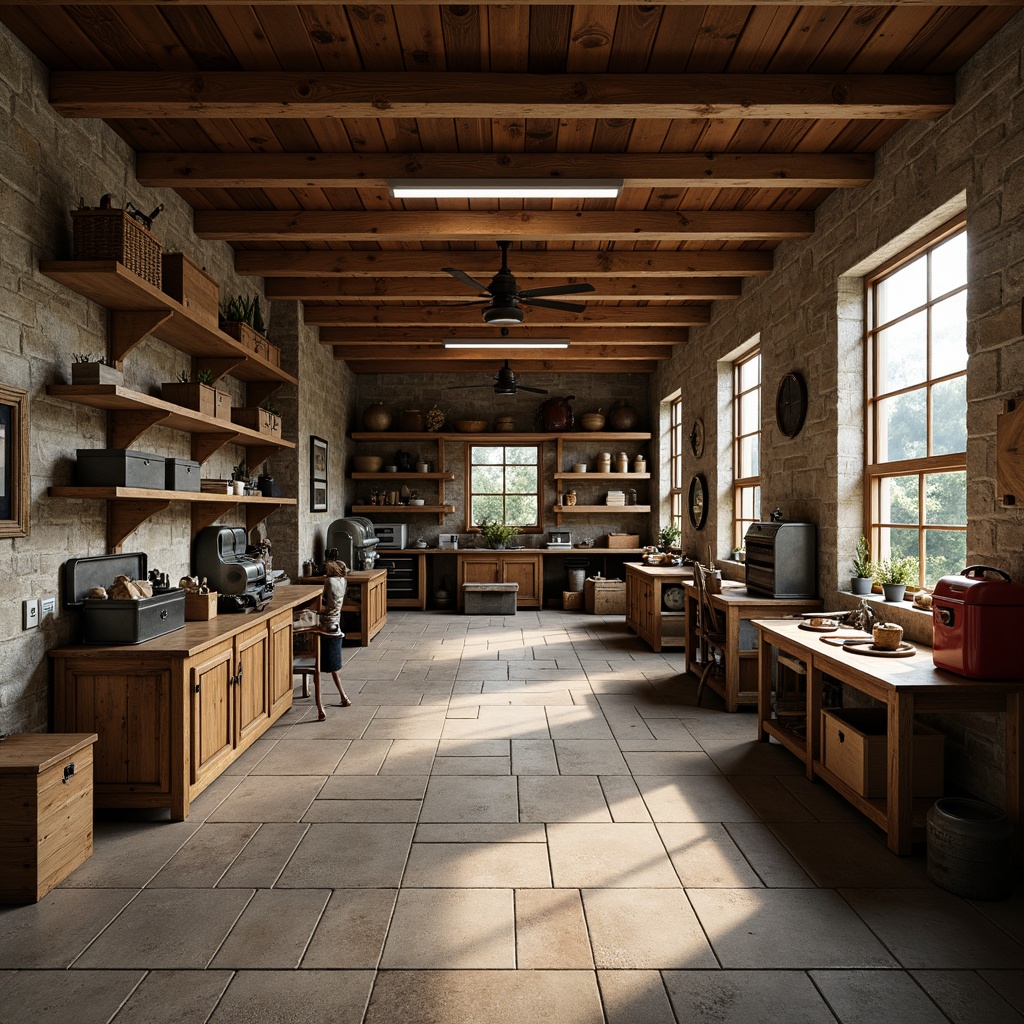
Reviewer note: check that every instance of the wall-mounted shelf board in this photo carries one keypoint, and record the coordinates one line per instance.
(491, 437)
(602, 476)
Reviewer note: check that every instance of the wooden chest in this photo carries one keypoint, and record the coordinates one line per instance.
(195, 289)
(605, 597)
(45, 811)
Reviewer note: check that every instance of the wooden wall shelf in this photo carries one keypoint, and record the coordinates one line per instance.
(491, 437)
(402, 476)
(602, 476)
(602, 509)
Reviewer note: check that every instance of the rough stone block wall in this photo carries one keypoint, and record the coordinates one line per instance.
(807, 315)
(49, 164)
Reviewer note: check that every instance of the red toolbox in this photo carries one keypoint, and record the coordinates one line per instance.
(978, 624)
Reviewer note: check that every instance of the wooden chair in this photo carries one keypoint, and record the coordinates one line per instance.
(710, 628)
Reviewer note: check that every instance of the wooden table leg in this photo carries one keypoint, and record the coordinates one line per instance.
(1015, 767)
(764, 689)
(815, 686)
(900, 805)
(732, 658)
(691, 632)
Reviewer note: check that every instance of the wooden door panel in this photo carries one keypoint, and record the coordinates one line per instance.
(253, 700)
(212, 711)
(281, 663)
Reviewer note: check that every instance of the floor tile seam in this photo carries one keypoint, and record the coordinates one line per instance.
(767, 825)
(977, 972)
(841, 895)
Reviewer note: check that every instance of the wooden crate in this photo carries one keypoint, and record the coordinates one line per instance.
(605, 597)
(200, 607)
(854, 747)
(191, 286)
(259, 419)
(252, 341)
(623, 540)
(572, 600)
(201, 397)
(46, 799)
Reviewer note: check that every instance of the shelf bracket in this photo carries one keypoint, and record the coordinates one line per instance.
(255, 514)
(125, 517)
(219, 367)
(124, 427)
(206, 513)
(258, 391)
(128, 328)
(259, 453)
(204, 445)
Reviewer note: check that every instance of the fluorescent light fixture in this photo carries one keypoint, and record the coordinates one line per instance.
(507, 343)
(507, 188)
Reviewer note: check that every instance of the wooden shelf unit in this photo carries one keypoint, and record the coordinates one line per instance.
(560, 510)
(602, 476)
(596, 437)
(441, 510)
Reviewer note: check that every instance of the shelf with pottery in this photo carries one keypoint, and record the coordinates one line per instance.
(513, 437)
(438, 510)
(561, 510)
(599, 477)
(410, 475)
(602, 476)
(132, 413)
(440, 476)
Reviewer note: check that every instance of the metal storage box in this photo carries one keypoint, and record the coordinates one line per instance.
(978, 625)
(119, 467)
(181, 475)
(781, 559)
(120, 622)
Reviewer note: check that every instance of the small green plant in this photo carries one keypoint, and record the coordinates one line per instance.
(245, 310)
(183, 377)
(895, 570)
(205, 377)
(497, 534)
(88, 357)
(669, 536)
(863, 567)
(240, 472)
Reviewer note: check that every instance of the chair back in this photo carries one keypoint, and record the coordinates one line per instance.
(708, 616)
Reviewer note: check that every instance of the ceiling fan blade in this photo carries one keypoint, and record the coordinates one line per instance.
(461, 275)
(569, 307)
(463, 387)
(536, 391)
(557, 289)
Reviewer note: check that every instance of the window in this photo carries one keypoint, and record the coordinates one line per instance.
(917, 406)
(504, 484)
(746, 468)
(676, 440)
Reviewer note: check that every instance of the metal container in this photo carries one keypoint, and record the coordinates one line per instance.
(181, 475)
(119, 467)
(781, 559)
(391, 535)
(978, 624)
(120, 622)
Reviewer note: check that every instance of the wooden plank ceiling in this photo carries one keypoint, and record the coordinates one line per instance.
(281, 125)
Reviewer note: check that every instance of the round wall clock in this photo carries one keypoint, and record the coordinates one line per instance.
(674, 598)
(697, 437)
(697, 505)
(791, 404)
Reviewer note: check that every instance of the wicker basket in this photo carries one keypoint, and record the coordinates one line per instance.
(113, 235)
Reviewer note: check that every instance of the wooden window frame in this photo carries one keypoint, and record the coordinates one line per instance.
(471, 527)
(14, 506)
(677, 484)
(875, 471)
(742, 484)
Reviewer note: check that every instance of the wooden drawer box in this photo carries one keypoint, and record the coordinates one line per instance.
(853, 747)
(605, 597)
(46, 800)
(192, 287)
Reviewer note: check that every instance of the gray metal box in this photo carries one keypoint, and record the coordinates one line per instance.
(119, 467)
(181, 475)
(120, 622)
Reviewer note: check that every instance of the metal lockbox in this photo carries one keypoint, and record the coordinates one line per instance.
(181, 475)
(119, 467)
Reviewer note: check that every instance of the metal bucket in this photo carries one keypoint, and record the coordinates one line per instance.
(577, 578)
(970, 848)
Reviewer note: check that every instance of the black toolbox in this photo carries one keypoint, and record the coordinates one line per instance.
(181, 475)
(120, 622)
(120, 467)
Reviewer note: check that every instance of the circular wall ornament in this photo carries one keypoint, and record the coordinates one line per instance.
(791, 404)
(697, 437)
(697, 505)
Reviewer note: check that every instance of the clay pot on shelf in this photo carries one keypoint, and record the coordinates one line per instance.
(556, 413)
(411, 422)
(592, 421)
(622, 416)
(376, 418)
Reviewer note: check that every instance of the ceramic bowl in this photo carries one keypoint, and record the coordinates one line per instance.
(417, 501)
(367, 463)
(470, 426)
(592, 421)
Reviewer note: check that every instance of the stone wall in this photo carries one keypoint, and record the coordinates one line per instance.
(808, 314)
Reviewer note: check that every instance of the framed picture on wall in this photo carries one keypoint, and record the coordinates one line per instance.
(14, 489)
(317, 474)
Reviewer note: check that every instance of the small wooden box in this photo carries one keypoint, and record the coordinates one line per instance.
(854, 747)
(605, 597)
(200, 607)
(192, 287)
(572, 600)
(45, 811)
(259, 419)
(623, 540)
(202, 398)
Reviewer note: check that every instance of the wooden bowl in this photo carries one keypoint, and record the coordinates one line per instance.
(471, 426)
(367, 463)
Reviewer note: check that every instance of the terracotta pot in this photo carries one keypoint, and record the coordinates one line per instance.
(376, 418)
(411, 422)
(622, 416)
(556, 413)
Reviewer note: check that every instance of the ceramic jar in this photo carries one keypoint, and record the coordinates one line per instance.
(622, 416)
(569, 498)
(639, 464)
(411, 422)
(505, 424)
(604, 462)
(376, 418)
(556, 413)
(622, 463)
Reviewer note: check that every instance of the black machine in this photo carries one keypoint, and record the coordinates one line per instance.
(781, 559)
(241, 581)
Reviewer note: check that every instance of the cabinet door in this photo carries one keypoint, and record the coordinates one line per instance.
(377, 604)
(252, 693)
(484, 569)
(528, 574)
(210, 679)
(281, 663)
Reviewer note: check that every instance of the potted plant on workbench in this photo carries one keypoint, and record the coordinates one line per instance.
(497, 534)
(669, 536)
(895, 573)
(863, 569)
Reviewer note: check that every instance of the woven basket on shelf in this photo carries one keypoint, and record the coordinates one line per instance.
(113, 235)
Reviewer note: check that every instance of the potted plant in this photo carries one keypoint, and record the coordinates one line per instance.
(90, 369)
(242, 319)
(669, 536)
(894, 574)
(497, 534)
(240, 478)
(198, 394)
(739, 554)
(863, 569)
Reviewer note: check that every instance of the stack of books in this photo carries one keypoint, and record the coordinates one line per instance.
(616, 498)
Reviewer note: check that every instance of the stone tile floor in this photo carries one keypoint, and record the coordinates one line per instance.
(521, 818)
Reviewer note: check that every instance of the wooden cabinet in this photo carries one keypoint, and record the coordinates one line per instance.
(505, 567)
(595, 485)
(393, 481)
(365, 610)
(646, 611)
(172, 713)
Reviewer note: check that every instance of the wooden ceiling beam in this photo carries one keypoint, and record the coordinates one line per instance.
(416, 316)
(411, 353)
(396, 289)
(372, 170)
(487, 95)
(550, 3)
(444, 225)
(488, 367)
(421, 335)
(480, 263)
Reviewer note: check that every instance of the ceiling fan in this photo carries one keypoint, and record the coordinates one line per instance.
(502, 304)
(504, 383)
